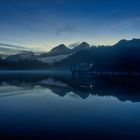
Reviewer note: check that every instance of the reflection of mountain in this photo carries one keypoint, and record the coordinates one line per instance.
(53, 82)
(82, 87)
(60, 88)
(13, 88)
(55, 86)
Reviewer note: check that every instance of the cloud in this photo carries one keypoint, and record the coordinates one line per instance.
(70, 28)
(8, 51)
(11, 49)
(12, 46)
(73, 45)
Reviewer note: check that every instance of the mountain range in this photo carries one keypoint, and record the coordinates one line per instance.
(56, 54)
(63, 53)
(128, 43)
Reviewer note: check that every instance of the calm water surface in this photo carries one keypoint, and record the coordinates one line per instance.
(50, 108)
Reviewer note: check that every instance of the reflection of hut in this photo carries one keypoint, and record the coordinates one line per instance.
(82, 69)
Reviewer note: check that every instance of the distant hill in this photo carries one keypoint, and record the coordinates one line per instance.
(26, 55)
(128, 43)
(62, 49)
(121, 56)
(81, 47)
(59, 50)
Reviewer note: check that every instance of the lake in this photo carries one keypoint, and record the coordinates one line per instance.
(42, 107)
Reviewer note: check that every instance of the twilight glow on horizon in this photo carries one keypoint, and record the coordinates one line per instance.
(40, 25)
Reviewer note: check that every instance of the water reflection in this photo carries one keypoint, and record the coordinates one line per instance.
(122, 88)
(42, 107)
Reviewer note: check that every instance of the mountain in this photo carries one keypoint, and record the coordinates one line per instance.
(26, 55)
(59, 50)
(62, 49)
(55, 55)
(81, 47)
(123, 56)
(2, 55)
(128, 43)
(83, 52)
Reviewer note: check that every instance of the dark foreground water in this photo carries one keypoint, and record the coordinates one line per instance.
(38, 107)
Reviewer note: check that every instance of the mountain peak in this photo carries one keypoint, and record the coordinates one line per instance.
(84, 43)
(123, 40)
(61, 46)
(59, 49)
(82, 46)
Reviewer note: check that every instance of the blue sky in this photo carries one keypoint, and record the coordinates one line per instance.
(39, 25)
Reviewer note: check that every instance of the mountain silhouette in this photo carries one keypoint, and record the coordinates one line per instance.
(128, 43)
(123, 56)
(61, 49)
(81, 47)
(25, 55)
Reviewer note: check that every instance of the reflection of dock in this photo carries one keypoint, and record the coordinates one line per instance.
(83, 70)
